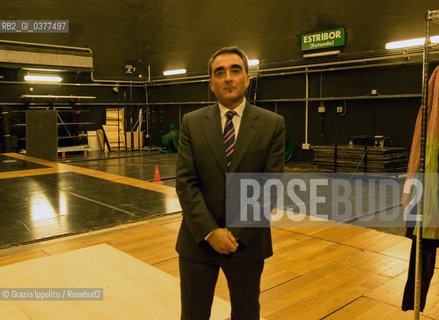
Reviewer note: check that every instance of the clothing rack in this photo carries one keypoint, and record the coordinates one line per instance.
(431, 16)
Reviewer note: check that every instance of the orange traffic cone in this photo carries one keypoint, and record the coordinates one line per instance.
(157, 175)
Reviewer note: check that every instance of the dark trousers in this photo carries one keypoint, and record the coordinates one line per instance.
(428, 262)
(197, 284)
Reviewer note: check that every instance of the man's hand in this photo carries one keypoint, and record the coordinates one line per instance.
(223, 241)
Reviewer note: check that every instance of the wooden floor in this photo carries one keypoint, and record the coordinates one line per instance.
(123, 288)
(316, 272)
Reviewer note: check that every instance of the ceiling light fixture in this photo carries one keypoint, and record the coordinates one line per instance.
(42, 78)
(253, 62)
(321, 54)
(172, 72)
(410, 43)
(40, 69)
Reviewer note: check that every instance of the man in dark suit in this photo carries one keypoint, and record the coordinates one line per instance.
(229, 136)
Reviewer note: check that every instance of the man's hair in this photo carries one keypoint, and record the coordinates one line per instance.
(228, 50)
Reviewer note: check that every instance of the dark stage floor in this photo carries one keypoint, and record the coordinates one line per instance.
(77, 197)
(42, 206)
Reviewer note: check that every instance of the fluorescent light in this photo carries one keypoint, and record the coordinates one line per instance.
(38, 69)
(42, 78)
(253, 62)
(321, 54)
(410, 43)
(172, 72)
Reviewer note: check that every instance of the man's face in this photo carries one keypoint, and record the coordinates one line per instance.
(229, 80)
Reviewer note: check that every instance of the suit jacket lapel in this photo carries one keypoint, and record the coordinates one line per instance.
(214, 136)
(247, 130)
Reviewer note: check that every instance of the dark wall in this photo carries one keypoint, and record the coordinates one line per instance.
(109, 28)
(184, 33)
(392, 117)
(188, 32)
(92, 111)
(168, 34)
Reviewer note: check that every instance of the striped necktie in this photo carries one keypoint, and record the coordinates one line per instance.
(229, 137)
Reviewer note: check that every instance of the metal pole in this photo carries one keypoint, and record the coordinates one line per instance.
(131, 146)
(147, 112)
(421, 169)
(118, 129)
(6, 130)
(306, 105)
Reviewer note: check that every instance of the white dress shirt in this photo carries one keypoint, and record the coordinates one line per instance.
(236, 119)
(236, 124)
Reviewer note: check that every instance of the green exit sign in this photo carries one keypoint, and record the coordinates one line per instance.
(323, 39)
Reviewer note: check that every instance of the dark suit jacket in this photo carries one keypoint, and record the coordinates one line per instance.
(200, 183)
